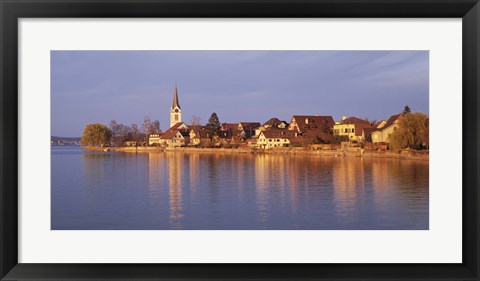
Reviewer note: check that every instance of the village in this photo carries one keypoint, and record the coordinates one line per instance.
(309, 132)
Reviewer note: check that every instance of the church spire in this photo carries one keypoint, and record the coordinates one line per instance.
(175, 98)
(175, 111)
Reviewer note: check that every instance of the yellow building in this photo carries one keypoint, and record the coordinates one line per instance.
(154, 138)
(275, 138)
(352, 128)
(385, 129)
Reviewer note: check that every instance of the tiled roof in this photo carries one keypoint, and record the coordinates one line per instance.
(317, 134)
(170, 133)
(250, 125)
(389, 122)
(273, 122)
(355, 120)
(278, 134)
(392, 119)
(312, 136)
(229, 126)
(314, 122)
(248, 129)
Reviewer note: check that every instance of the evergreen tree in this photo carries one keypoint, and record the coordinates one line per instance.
(213, 125)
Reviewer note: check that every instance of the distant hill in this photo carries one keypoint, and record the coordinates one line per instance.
(64, 140)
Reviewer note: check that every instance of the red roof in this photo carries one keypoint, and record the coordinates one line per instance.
(312, 122)
(355, 120)
(389, 122)
(170, 133)
(229, 126)
(286, 134)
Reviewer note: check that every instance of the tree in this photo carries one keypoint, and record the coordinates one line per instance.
(195, 121)
(135, 132)
(149, 126)
(120, 132)
(156, 125)
(326, 128)
(412, 132)
(213, 125)
(96, 134)
(406, 109)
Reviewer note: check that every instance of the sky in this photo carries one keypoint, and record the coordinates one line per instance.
(248, 86)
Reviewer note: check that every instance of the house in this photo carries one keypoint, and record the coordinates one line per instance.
(275, 123)
(228, 130)
(352, 127)
(154, 139)
(303, 123)
(275, 138)
(316, 136)
(228, 127)
(385, 129)
(199, 135)
(272, 123)
(177, 135)
(247, 129)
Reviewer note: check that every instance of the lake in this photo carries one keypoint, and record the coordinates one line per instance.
(204, 191)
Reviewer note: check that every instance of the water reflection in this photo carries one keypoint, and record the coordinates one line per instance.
(231, 191)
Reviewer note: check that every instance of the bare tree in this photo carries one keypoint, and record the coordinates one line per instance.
(149, 126)
(195, 120)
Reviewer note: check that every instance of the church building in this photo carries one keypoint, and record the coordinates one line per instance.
(175, 110)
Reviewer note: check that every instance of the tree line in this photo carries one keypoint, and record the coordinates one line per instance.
(117, 133)
(412, 131)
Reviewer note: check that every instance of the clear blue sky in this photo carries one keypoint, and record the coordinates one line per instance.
(99, 86)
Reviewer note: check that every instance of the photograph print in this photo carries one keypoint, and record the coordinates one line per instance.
(239, 140)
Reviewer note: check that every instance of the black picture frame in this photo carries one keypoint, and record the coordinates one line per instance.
(12, 10)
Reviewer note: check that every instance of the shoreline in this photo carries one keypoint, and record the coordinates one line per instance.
(350, 152)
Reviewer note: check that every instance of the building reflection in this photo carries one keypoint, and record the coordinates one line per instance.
(270, 184)
(381, 175)
(175, 164)
(155, 175)
(349, 186)
(194, 172)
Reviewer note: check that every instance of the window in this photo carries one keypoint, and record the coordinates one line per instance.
(353, 130)
(176, 117)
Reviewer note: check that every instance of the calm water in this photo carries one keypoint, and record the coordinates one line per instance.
(205, 191)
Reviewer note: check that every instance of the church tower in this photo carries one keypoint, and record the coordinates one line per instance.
(175, 111)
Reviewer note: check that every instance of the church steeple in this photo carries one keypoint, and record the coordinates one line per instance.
(175, 98)
(175, 111)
